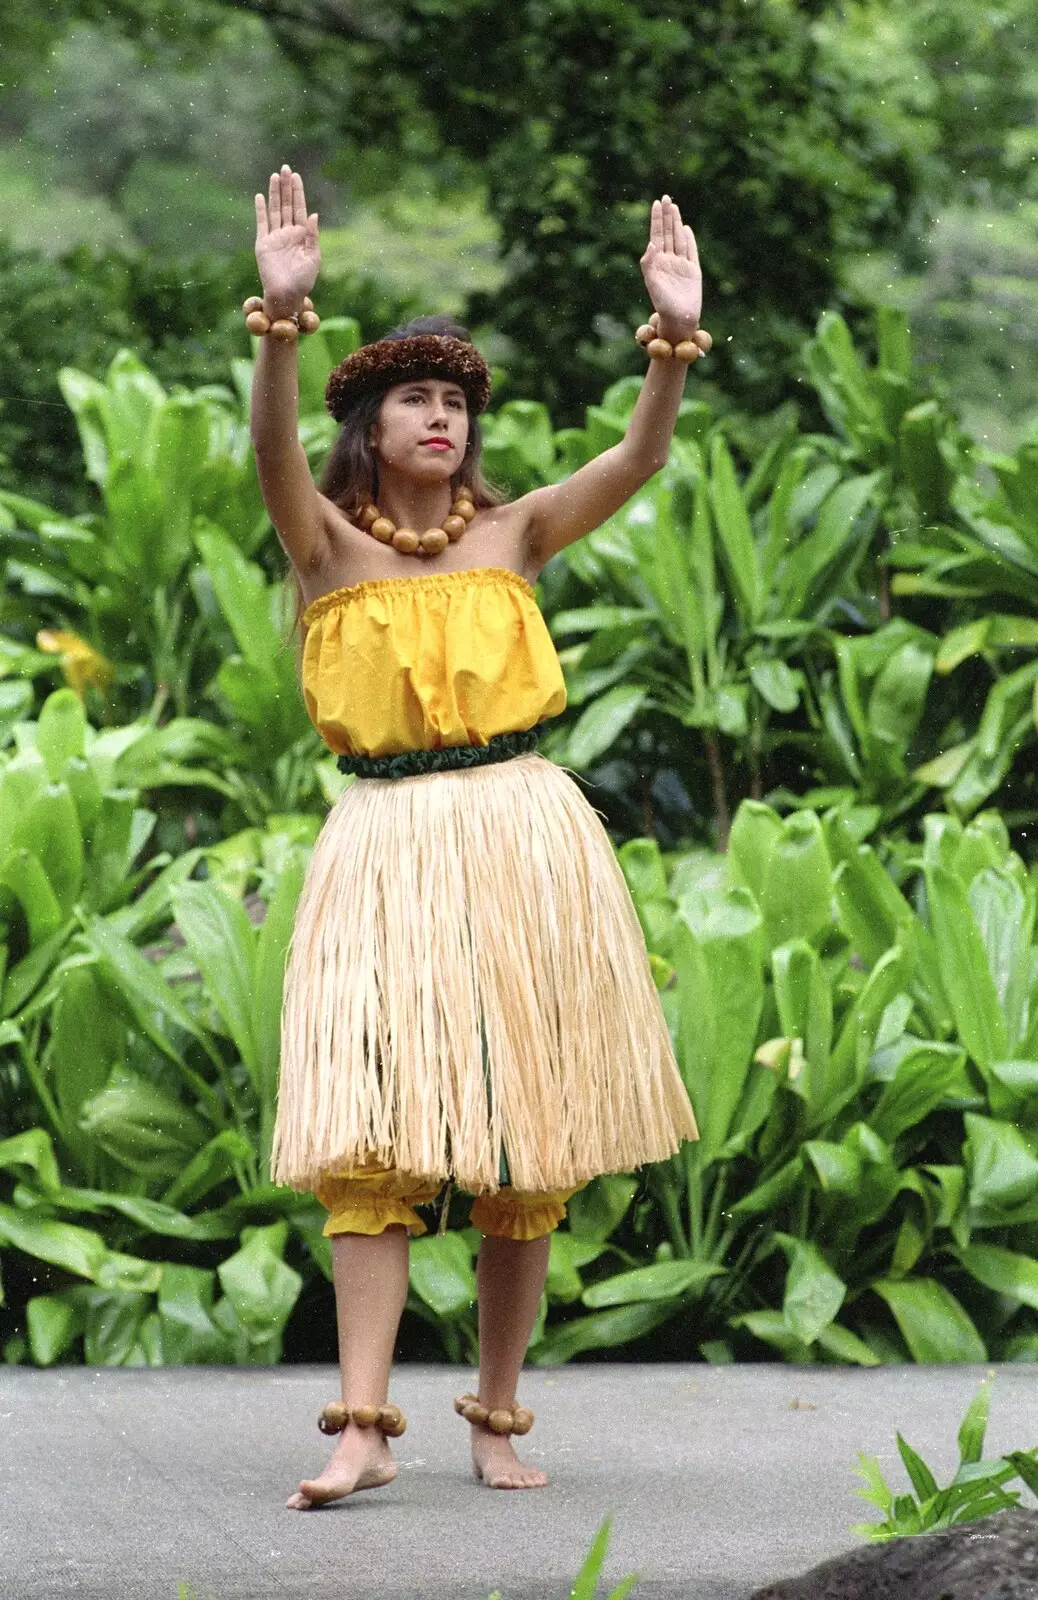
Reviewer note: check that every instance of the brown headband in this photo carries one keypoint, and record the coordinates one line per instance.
(423, 355)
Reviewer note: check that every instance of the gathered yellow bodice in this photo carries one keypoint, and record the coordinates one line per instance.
(443, 658)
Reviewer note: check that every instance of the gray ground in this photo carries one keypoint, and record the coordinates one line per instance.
(123, 1485)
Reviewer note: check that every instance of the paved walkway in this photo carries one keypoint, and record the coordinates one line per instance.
(125, 1485)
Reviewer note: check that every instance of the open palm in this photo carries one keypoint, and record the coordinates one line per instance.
(287, 251)
(670, 267)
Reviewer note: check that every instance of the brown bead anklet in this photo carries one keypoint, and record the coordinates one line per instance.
(389, 1420)
(502, 1419)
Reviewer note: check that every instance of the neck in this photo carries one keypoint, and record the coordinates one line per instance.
(413, 505)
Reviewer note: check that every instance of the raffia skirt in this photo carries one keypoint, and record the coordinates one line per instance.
(468, 991)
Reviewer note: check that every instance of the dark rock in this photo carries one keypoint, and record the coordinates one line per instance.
(993, 1559)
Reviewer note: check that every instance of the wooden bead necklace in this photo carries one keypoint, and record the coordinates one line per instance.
(407, 540)
(257, 321)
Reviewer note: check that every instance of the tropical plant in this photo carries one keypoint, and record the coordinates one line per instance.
(977, 1489)
(864, 1060)
(736, 632)
(138, 1079)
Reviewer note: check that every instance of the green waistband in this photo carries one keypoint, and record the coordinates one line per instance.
(412, 763)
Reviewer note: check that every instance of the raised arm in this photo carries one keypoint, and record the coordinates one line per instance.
(288, 257)
(563, 512)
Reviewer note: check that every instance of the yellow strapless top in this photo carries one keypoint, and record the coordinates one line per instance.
(443, 658)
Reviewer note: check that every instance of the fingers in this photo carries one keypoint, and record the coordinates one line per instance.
(298, 201)
(286, 201)
(669, 211)
(262, 222)
(691, 248)
(656, 225)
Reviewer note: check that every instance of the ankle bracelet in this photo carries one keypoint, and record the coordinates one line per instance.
(389, 1420)
(502, 1419)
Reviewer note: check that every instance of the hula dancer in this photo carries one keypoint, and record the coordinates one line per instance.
(468, 997)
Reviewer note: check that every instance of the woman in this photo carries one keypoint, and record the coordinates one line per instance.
(468, 997)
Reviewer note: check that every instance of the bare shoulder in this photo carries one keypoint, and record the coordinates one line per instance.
(496, 537)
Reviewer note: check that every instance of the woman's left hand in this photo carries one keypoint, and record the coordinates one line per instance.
(670, 267)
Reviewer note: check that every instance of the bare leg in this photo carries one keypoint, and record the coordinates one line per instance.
(370, 1272)
(510, 1276)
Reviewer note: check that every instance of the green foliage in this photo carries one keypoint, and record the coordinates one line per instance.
(975, 1491)
(180, 314)
(864, 1186)
(152, 1067)
(739, 623)
(851, 990)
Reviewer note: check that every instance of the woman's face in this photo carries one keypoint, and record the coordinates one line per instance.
(422, 428)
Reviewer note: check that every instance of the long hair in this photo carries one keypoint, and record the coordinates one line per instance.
(350, 476)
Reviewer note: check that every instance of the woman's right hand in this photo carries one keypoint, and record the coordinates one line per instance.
(287, 252)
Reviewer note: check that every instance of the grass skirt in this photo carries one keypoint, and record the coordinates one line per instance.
(467, 974)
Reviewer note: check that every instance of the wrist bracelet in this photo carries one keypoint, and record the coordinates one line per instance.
(257, 321)
(686, 350)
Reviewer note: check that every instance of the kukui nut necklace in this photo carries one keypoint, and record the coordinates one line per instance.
(407, 540)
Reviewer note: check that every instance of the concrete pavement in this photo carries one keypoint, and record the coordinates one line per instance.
(121, 1484)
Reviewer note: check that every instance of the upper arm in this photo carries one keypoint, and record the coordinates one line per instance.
(293, 503)
(561, 513)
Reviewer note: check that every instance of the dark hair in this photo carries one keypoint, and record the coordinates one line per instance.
(350, 476)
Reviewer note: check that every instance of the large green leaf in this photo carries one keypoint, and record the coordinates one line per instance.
(812, 572)
(603, 1330)
(797, 894)
(665, 1280)
(924, 1076)
(814, 1292)
(87, 1037)
(598, 1209)
(805, 1009)
(269, 976)
(77, 1250)
(222, 941)
(1007, 1272)
(261, 1287)
(718, 953)
(441, 1273)
(185, 1306)
(964, 969)
(599, 727)
(1001, 1163)
(735, 540)
(934, 1325)
(755, 829)
(142, 1126)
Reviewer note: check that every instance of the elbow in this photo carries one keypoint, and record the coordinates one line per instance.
(650, 465)
(644, 462)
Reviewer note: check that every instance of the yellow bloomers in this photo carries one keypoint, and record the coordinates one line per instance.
(372, 1198)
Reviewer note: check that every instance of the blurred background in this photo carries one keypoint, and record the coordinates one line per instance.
(497, 161)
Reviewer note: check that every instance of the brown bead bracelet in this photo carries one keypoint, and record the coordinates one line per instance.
(686, 350)
(336, 1416)
(502, 1419)
(257, 321)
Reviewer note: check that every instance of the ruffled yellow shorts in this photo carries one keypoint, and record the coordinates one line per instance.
(371, 1198)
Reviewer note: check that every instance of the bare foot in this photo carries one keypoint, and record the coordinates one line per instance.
(495, 1461)
(361, 1460)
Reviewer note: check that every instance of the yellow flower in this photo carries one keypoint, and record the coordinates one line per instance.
(80, 662)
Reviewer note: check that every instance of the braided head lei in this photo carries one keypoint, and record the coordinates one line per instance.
(404, 358)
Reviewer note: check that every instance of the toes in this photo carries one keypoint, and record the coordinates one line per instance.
(298, 1502)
